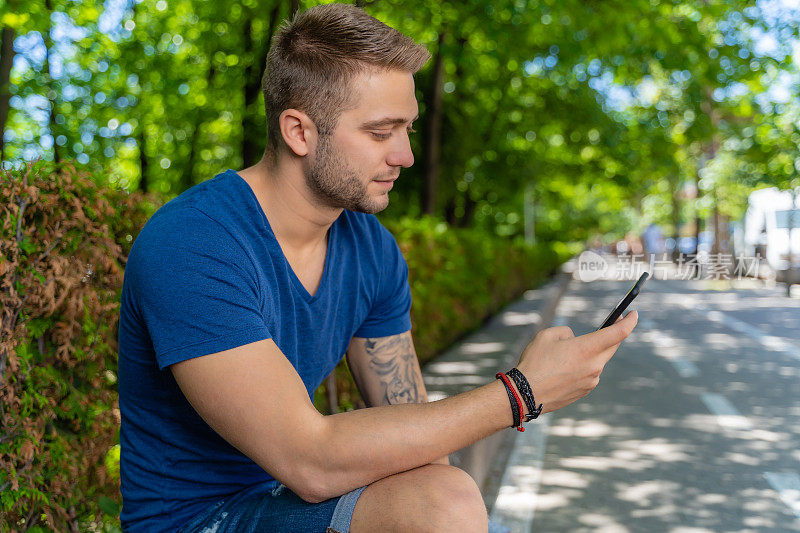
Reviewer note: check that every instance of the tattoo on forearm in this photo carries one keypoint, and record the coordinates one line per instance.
(392, 359)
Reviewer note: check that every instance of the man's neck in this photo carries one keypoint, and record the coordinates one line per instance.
(295, 217)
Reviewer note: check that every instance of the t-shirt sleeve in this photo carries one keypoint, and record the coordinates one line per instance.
(194, 287)
(390, 311)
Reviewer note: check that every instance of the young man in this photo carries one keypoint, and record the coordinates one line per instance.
(243, 293)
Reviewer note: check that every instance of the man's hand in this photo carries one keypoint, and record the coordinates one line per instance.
(562, 368)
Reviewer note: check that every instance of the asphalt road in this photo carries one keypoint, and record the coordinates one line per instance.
(695, 425)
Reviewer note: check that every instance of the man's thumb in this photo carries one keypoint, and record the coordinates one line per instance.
(618, 331)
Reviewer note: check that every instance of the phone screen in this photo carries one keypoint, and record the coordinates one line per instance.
(625, 301)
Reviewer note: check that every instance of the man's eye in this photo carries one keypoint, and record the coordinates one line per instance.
(384, 136)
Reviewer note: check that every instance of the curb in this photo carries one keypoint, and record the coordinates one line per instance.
(481, 459)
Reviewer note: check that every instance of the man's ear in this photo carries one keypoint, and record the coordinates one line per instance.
(299, 131)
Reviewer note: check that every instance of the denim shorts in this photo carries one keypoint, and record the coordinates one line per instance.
(279, 510)
(275, 510)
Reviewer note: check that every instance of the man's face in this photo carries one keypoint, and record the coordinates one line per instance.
(355, 167)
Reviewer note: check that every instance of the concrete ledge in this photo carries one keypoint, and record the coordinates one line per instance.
(474, 361)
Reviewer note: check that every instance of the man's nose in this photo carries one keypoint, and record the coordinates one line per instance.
(401, 154)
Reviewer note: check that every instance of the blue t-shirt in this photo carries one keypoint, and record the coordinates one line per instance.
(206, 274)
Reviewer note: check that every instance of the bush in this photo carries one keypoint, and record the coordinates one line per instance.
(64, 243)
(459, 277)
(66, 236)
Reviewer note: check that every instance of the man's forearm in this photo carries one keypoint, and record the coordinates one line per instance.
(386, 371)
(362, 446)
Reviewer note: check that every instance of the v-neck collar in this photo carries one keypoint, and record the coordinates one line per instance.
(329, 252)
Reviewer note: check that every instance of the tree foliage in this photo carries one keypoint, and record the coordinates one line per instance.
(597, 109)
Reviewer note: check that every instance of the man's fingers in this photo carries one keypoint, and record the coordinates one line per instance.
(562, 332)
(613, 334)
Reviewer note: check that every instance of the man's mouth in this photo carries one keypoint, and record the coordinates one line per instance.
(387, 183)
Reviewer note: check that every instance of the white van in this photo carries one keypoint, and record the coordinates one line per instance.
(770, 214)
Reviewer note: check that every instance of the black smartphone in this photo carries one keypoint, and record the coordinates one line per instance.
(625, 302)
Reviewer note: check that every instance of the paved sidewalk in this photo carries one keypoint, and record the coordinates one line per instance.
(694, 427)
(473, 362)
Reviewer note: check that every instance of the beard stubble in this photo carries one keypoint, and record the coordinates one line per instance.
(336, 185)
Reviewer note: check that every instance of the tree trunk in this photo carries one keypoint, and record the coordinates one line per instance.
(332, 393)
(469, 210)
(720, 250)
(697, 220)
(711, 152)
(434, 132)
(253, 129)
(450, 211)
(52, 93)
(715, 248)
(676, 220)
(143, 177)
(6, 62)
(187, 178)
(457, 196)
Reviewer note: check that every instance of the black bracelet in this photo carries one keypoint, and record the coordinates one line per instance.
(514, 405)
(527, 394)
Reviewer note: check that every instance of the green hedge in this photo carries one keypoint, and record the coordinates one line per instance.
(459, 277)
(64, 244)
(66, 236)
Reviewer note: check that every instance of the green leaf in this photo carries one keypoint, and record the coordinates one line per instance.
(108, 506)
(27, 246)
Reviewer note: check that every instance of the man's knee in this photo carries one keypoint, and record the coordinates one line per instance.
(453, 501)
(435, 497)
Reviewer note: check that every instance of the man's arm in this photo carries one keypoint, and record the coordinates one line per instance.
(386, 371)
(253, 397)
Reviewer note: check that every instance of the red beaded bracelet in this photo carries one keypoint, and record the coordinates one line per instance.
(507, 383)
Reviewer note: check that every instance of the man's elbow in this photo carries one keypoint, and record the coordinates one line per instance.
(308, 472)
(314, 496)
(309, 483)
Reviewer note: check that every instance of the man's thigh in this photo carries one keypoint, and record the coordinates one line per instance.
(433, 497)
(260, 509)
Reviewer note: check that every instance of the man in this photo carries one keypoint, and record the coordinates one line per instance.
(241, 295)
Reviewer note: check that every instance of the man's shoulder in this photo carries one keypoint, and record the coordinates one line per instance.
(195, 212)
(182, 229)
(174, 224)
(199, 197)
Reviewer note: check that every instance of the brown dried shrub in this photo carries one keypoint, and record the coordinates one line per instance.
(65, 239)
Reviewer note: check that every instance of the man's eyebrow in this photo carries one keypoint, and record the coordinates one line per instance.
(387, 121)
